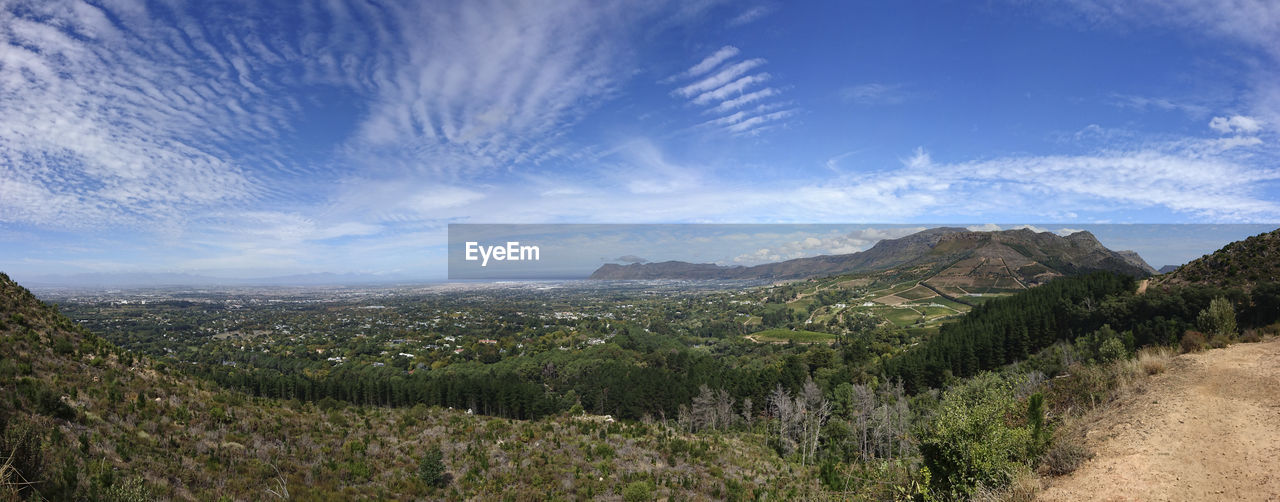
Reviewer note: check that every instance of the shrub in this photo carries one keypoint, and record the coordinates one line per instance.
(1023, 488)
(1219, 341)
(1154, 360)
(637, 491)
(1193, 341)
(1251, 336)
(1104, 345)
(51, 404)
(1112, 350)
(974, 440)
(1218, 319)
(23, 455)
(329, 404)
(1064, 456)
(62, 346)
(431, 468)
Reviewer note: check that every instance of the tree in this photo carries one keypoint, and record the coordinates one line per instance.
(783, 409)
(431, 468)
(815, 409)
(970, 442)
(1219, 319)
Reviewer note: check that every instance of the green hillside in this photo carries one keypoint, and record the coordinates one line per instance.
(84, 420)
(1242, 264)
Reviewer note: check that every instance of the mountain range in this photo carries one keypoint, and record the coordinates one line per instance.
(1023, 255)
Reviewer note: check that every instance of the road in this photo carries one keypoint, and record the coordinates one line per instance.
(1206, 429)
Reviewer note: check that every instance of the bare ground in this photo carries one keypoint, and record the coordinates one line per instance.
(1206, 429)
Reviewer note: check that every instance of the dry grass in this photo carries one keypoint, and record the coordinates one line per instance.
(1193, 341)
(1023, 488)
(1154, 360)
(1065, 455)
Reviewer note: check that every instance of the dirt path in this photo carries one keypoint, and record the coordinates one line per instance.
(1206, 429)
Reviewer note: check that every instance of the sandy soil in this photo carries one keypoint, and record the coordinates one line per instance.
(1206, 429)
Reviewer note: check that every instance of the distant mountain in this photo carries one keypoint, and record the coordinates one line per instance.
(1023, 256)
(1167, 268)
(1238, 264)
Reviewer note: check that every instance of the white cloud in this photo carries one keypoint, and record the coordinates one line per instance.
(830, 243)
(98, 128)
(751, 97)
(1235, 124)
(712, 61)
(1254, 24)
(732, 87)
(750, 15)
(1144, 102)
(484, 85)
(650, 172)
(724, 76)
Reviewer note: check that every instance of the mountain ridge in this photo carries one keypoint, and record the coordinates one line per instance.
(938, 247)
(1244, 263)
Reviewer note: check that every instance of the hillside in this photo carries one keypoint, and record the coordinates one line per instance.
(1241, 264)
(1020, 256)
(1204, 430)
(83, 419)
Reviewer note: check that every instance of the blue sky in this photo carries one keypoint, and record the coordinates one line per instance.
(271, 138)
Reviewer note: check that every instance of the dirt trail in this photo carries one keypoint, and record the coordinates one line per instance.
(1206, 429)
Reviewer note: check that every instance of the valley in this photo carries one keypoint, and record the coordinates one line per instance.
(862, 385)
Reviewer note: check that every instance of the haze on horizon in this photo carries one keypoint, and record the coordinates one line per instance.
(252, 139)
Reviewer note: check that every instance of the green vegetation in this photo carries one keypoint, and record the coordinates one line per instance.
(970, 442)
(634, 392)
(798, 336)
(431, 469)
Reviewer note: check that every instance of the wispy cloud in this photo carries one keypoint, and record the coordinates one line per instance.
(1235, 124)
(830, 243)
(751, 15)
(123, 121)
(876, 94)
(720, 79)
(724, 86)
(1254, 24)
(1156, 103)
(711, 62)
(126, 114)
(481, 85)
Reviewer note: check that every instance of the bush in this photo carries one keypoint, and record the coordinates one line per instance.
(1219, 341)
(1112, 350)
(974, 439)
(431, 468)
(637, 491)
(1154, 360)
(1218, 319)
(1104, 345)
(1065, 456)
(1193, 341)
(51, 404)
(22, 447)
(1251, 336)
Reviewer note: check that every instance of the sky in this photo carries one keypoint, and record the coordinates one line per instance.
(252, 139)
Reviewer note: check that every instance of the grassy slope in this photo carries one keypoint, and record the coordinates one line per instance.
(130, 428)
